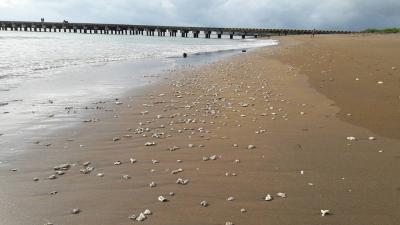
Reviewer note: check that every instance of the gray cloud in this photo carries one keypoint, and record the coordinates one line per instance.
(327, 14)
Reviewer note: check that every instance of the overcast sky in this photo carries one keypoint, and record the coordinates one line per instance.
(321, 14)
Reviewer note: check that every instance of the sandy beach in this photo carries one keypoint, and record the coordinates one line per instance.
(271, 136)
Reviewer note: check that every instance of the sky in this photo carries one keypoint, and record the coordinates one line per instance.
(294, 14)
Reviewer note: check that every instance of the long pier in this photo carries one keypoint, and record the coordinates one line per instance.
(151, 30)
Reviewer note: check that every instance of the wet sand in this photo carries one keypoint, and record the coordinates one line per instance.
(262, 98)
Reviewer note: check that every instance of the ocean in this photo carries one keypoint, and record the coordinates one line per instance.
(42, 73)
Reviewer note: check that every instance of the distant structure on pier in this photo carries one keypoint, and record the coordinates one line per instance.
(151, 30)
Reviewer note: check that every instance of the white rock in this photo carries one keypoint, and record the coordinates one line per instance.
(230, 198)
(325, 212)
(251, 147)
(371, 138)
(126, 177)
(76, 211)
(132, 160)
(132, 217)
(152, 184)
(268, 197)
(147, 212)
(182, 181)
(281, 194)
(100, 174)
(117, 163)
(141, 217)
(243, 210)
(177, 171)
(162, 199)
(350, 138)
(229, 223)
(150, 144)
(204, 203)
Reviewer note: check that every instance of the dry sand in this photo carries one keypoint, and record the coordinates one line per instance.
(262, 98)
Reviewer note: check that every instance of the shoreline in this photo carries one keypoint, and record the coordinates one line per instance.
(250, 99)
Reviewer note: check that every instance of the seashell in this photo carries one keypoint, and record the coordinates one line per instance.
(190, 145)
(214, 157)
(154, 161)
(243, 210)
(162, 199)
(235, 145)
(371, 138)
(204, 203)
(100, 175)
(152, 184)
(76, 211)
(171, 194)
(35, 179)
(281, 194)
(132, 160)
(126, 177)
(251, 147)
(325, 212)
(117, 163)
(268, 197)
(141, 217)
(237, 161)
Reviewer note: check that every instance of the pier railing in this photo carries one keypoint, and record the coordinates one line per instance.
(151, 30)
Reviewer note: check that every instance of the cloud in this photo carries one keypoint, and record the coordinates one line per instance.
(327, 14)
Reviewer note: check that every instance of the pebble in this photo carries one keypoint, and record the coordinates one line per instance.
(76, 211)
(35, 179)
(62, 167)
(52, 177)
(243, 210)
(229, 223)
(325, 212)
(117, 163)
(171, 194)
(371, 138)
(100, 174)
(132, 160)
(204, 203)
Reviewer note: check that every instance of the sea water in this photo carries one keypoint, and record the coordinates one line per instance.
(41, 73)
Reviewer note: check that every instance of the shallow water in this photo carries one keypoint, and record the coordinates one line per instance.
(43, 73)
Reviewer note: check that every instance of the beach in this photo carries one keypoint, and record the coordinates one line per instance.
(269, 136)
